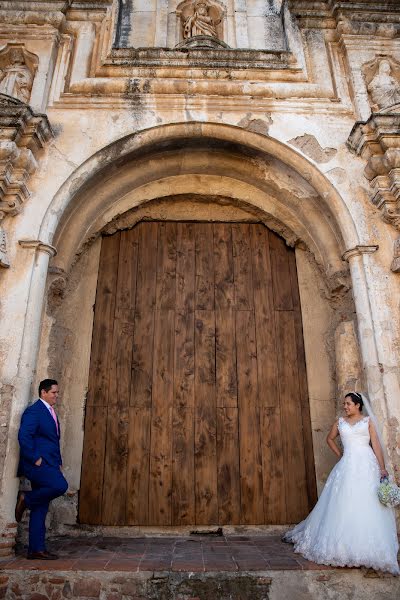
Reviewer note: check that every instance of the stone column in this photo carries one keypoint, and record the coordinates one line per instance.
(348, 368)
(23, 392)
(376, 351)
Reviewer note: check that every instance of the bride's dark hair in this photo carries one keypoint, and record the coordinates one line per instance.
(356, 398)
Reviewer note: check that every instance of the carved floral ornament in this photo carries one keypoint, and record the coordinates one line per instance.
(377, 140)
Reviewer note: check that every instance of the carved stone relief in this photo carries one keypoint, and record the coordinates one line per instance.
(17, 71)
(382, 77)
(200, 19)
(378, 141)
(22, 134)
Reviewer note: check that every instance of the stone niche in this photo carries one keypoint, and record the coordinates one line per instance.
(250, 24)
(17, 71)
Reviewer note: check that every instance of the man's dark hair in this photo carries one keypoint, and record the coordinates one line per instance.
(46, 385)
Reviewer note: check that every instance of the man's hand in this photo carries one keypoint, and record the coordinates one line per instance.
(38, 462)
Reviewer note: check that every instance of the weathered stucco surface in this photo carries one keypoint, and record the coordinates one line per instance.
(258, 131)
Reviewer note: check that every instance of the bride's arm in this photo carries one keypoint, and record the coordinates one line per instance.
(376, 447)
(330, 440)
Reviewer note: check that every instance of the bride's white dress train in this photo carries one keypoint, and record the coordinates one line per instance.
(349, 526)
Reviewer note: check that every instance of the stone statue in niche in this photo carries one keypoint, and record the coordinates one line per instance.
(384, 89)
(201, 21)
(17, 71)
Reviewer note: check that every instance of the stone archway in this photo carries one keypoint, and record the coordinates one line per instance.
(181, 172)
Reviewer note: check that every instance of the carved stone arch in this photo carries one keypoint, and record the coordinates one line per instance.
(70, 220)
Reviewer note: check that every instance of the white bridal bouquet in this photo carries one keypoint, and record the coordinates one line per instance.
(389, 493)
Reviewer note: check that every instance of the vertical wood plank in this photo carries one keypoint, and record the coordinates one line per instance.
(292, 434)
(120, 371)
(183, 501)
(103, 322)
(273, 467)
(228, 466)
(125, 293)
(142, 352)
(204, 294)
(183, 498)
(205, 420)
(242, 267)
(223, 264)
(225, 358)
(91, 490)
(161, 419)
(138, 467)
(267, 359)
(166, 266)
(303, 387)
(282, 288)
(252, 508)
(185, 267)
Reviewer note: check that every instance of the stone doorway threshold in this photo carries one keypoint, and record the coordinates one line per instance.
(182, 567)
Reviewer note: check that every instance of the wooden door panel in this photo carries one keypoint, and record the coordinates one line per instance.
(251, 492)
(292, 433)
(142, 350)
(138, 466)
(98, 392)
(94, 446)
(197, 410)
(228, 476)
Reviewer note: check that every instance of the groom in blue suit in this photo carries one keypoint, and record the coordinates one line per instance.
(40, 462)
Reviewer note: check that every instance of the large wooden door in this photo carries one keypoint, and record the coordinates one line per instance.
(197, 409)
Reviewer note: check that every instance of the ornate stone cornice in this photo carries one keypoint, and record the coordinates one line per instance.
(377, 141)
(22, 134)
(358, 251)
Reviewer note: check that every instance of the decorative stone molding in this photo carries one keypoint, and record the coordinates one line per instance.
(22, 135)
(39, 246)
(378, 142)
(358, 250)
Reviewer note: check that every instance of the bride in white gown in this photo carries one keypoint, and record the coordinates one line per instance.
(349, 526)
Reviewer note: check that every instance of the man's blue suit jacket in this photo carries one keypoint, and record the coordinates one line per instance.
(37, 438)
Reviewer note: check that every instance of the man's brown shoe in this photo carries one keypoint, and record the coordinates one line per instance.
(42, 555)
(20, 507)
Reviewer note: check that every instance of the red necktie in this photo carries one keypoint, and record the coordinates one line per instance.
(53, 414)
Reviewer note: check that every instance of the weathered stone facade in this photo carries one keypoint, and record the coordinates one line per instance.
(285, 113)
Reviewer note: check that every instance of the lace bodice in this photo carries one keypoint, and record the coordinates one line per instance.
(356, 434)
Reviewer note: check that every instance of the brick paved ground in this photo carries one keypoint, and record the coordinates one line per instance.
(192, 553)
